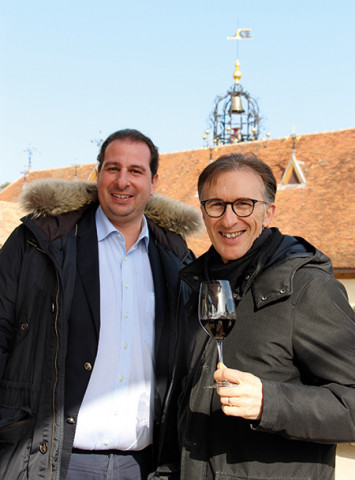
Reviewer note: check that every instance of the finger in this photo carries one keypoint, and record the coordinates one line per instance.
(224, 373)
(220, 377)
(238, 411)
(227, 401)
(231, 410)
(232, 375)
(229, 391)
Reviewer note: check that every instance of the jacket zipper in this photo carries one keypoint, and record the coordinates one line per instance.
(56, 373)
(36, 246)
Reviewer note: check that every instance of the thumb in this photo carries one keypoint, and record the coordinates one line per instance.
(220, 366)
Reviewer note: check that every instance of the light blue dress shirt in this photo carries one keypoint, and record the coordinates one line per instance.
(117, 409)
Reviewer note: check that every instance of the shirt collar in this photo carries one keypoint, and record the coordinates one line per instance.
(105, 228)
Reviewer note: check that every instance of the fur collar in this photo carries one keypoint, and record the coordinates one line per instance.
(52, 197)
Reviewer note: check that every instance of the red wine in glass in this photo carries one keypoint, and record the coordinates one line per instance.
(217, 315)
(218, 328)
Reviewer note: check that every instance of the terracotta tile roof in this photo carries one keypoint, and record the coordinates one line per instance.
(12, 191)
(322, 211)
(10, 214)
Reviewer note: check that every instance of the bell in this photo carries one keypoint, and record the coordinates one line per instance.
(236, 104)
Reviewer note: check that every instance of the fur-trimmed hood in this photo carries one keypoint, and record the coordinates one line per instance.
(53, 197)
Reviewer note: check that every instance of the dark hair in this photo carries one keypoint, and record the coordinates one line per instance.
(238, 161)
(136, 137)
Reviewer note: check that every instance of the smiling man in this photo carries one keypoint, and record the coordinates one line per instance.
(90, 310)
(291, 354)
(125, 184)
(233, 229)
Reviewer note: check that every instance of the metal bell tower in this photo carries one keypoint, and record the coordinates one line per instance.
(235, 117)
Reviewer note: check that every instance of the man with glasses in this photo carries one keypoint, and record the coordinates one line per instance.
(291, 354)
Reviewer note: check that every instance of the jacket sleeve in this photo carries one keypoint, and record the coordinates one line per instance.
(321, 408)
(11, 255)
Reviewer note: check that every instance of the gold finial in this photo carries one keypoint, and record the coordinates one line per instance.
(241, 34)
(237, 75)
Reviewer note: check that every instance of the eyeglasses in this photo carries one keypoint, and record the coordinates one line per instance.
(242, 207)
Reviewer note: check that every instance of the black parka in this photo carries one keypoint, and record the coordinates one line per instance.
(295, 330)
(37, 277)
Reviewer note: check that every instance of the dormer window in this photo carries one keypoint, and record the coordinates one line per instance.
(293, 176)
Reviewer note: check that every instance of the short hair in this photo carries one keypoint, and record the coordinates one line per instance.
(236, 162)
(134, 136)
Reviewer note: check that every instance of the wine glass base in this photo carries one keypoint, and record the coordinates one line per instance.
(221, 384)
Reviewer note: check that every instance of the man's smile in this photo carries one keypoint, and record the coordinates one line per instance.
(116, 195)
(232, 235)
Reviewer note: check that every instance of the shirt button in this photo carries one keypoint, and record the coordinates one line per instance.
(119, 235)
(125, 346)
(126, 315)
(126, 285)
(88, 366)
(125, 259)
(70, 420)
(107, 443)
(121, 379)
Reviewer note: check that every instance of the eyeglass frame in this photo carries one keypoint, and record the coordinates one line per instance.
(254, 202)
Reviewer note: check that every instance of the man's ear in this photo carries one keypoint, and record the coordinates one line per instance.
(203, 212)
(269, 213)
(154, 184)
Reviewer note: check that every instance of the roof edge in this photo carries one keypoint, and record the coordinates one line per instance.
(344, 273)
(261, 140)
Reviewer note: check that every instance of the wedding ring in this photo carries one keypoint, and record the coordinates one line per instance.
(229, 401)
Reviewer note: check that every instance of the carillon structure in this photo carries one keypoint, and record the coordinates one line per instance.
(235, 117)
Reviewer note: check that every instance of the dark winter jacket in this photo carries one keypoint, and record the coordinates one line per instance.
(295, 331)
(40, 266)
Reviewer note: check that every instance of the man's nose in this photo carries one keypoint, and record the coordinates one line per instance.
(229, 217)
(122, 179)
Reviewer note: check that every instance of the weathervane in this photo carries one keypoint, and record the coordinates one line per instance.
(30, 151)
(241, 34)
(98, 142)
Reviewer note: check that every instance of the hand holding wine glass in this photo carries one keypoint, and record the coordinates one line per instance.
(217, 314)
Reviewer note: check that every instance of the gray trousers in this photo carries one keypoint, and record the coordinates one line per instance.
(110, 465)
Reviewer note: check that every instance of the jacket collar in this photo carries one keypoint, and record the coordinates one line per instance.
(63, 200)
(292, 254)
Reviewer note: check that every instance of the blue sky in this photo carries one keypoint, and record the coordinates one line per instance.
(71, 69)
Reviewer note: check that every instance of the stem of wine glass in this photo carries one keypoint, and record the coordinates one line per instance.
(220, 350)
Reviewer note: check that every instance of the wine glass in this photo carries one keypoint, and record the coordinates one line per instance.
(217, 315)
